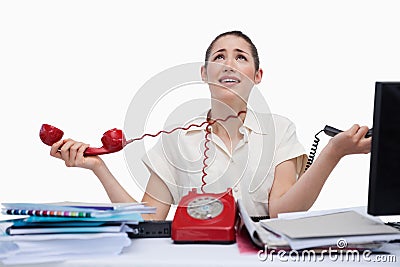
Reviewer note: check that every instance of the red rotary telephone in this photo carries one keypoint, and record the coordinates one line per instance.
(205, 218)
(113, 140)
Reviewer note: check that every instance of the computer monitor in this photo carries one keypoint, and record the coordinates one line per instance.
(384, 178)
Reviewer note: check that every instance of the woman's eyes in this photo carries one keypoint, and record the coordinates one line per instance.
(221, 57)
(241, 57)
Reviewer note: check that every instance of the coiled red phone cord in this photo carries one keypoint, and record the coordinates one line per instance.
(209, 123)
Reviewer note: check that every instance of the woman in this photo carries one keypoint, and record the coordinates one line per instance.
(263, 168)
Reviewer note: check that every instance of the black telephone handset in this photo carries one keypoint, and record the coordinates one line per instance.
(330, 131)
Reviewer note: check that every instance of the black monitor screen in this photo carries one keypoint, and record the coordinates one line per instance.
(384, 180)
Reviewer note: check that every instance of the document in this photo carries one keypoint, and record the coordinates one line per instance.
(348, 223)
(40, 248)
(24, 230)
(100, 206)
(327, 229)
(66, 230)
(259, 235)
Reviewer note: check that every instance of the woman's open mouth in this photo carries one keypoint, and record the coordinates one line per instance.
(229, 80)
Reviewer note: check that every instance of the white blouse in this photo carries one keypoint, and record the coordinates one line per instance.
(268, 140)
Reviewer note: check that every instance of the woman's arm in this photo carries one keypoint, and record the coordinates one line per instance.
(115, 191)
(71, 152)
(289, 195)
(157, 193)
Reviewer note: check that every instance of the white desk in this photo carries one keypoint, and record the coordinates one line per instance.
(162, 252)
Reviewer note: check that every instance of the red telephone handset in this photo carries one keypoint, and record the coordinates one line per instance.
(113, 140)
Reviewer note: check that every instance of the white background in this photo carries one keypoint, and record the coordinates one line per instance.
(78, 64)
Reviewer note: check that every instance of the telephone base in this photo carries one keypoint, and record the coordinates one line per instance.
(205, 218)
(207, 235)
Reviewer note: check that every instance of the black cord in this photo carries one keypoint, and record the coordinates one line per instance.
(313, 151)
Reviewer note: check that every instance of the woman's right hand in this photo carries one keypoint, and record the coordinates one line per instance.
(71, 152)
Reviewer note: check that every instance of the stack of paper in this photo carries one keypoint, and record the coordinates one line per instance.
(67, 230)
(260, 236)
(353, 228)
(38, 248)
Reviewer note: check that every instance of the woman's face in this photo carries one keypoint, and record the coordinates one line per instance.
(231, 72)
